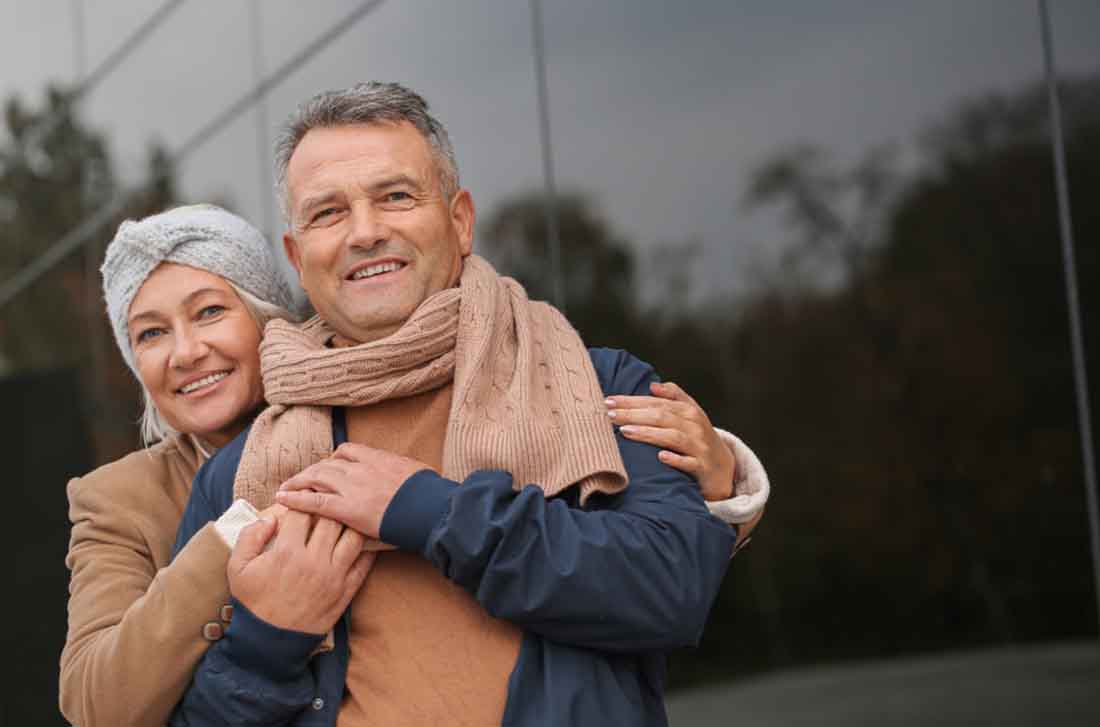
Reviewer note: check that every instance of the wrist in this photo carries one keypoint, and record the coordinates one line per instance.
(277, 615)
(416, 508)
(717, 487)
(259, 645)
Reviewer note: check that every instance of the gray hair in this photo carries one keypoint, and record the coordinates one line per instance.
(153, 426)
(365, 103)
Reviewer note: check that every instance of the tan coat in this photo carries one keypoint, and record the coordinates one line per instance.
(135, 621)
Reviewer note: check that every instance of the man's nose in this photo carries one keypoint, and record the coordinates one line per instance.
(368, 228)
(188, 349)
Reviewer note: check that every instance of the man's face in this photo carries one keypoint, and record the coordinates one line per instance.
(371, 235)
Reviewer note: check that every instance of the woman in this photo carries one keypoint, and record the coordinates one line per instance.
(188, 292)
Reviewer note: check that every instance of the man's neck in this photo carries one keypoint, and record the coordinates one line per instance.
(341, 341)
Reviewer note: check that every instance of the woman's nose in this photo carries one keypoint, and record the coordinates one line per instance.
(188, 349)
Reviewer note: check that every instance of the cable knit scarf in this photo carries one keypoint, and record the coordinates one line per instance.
(526, 398)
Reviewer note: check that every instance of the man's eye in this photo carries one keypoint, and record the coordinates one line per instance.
(398, 199)
(322, 214)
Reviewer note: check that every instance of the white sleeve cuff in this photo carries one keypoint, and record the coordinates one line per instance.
(750, 484)
(240, 515)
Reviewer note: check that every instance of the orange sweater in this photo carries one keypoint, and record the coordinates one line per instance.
(423, 651)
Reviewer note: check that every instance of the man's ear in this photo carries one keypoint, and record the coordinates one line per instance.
(290, 246)
(463, 217)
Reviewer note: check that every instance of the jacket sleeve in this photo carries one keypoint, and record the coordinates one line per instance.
(256, 674)
(135, 634)
(640, 573)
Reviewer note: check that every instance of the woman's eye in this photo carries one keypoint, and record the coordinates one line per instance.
(211, 310)
(149, 334)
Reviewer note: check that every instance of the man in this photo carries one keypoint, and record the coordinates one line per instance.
(542, 563)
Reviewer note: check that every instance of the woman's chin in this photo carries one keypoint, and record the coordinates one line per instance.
(219, 416)
(219, 428)
(219, 437)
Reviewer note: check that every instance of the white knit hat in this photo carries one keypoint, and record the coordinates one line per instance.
(201, 236)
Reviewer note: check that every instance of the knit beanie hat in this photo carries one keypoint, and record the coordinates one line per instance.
(201, 236)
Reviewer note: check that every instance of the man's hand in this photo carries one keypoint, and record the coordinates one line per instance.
(354, 486)
(306, 579)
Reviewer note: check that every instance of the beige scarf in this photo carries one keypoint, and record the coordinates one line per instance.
(526, 397)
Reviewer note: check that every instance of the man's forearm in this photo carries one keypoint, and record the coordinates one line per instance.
(639, 575)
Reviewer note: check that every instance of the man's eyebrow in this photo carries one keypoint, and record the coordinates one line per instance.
(373, 188)
(394, 181)
(310, 202)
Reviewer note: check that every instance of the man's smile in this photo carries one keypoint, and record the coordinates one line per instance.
(373, 271)
(367, 271)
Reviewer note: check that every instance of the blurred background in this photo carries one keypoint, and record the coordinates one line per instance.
(835, 224)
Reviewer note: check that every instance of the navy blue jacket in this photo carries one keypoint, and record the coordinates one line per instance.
(600, 592)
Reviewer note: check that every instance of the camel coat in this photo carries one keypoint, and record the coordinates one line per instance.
(137, 624)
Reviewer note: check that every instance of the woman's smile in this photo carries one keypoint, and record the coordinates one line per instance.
(196, 348)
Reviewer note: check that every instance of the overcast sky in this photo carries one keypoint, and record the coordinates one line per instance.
(659, 108)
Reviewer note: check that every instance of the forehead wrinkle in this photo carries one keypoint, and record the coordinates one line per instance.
(326, 179)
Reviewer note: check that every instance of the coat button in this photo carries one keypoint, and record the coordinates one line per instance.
(226, 613)
(212, 631)
(318, 704)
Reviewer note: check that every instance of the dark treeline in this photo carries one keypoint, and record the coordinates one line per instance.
(54, 174)
(903, 370)
(916, 417)
(72, 403)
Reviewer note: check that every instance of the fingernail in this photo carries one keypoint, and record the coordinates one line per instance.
(609, 403)
(627, 429)
(280, 495)
(612, 413)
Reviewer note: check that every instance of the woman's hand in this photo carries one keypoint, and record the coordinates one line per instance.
(672, 420)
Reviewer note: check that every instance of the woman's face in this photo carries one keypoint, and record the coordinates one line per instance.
(196, 348)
